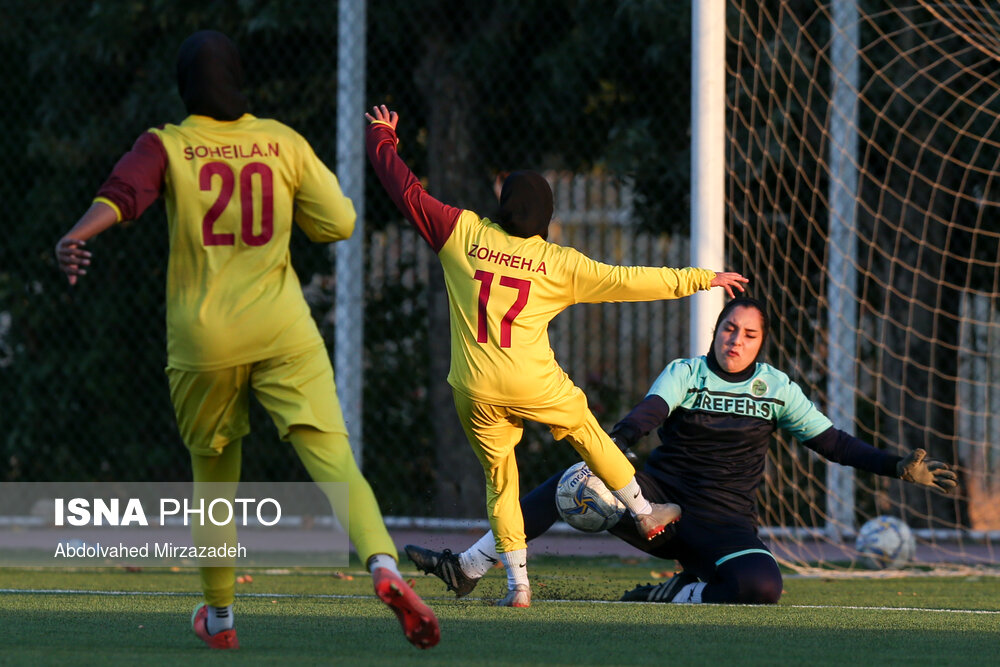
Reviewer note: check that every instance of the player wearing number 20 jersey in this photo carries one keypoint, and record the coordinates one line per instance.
(237, 321)
(230, 190)
(505, 283)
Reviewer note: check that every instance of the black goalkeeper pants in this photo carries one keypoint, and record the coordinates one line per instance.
(729, 557)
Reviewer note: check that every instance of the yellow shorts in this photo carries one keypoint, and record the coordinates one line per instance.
(494, 431)
(212, 407)
(498, 428)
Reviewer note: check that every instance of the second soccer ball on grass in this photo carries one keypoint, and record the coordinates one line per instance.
(886, 542)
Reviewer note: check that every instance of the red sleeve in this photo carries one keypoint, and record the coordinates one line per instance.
(137, 179)
(435, 221)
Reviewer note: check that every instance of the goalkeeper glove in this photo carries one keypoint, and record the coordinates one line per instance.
(632, 457)
(918, 469)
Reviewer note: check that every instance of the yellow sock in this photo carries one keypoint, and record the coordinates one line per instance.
(218, 584)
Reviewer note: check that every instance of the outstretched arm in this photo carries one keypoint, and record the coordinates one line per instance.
(133, 185)
(596, 282)
(71, 254)
(840, 447)
(434, 220)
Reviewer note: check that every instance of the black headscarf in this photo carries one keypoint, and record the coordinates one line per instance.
(525, 205)
(210, 76)
(765, 325)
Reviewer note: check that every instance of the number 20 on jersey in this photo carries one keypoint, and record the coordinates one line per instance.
(252, 175)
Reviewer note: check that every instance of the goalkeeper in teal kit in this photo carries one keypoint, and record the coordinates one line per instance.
(715, 416)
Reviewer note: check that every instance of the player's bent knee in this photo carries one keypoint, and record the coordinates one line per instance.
(753, 578)
(762, 589)
(764, 592)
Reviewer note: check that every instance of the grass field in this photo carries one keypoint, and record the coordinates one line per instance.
(114, 617)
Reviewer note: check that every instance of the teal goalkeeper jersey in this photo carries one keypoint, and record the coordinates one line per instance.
(716, 437)
(768, 396)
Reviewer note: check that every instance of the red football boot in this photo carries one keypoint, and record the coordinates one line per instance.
(224, 639)
(420, 625)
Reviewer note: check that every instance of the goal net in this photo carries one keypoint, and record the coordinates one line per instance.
(863, 148)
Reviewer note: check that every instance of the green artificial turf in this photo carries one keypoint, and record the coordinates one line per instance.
(116, 617)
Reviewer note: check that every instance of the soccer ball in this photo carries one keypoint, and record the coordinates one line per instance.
(584, 502)
(885, 542)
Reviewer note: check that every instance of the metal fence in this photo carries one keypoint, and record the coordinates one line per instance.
(481, 87)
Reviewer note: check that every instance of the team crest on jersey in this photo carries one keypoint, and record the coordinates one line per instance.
(758, 388)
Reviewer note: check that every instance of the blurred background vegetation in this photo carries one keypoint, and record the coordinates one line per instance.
(590, 88)
(481, 87)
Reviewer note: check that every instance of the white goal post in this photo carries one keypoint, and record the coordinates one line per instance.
(708, 161)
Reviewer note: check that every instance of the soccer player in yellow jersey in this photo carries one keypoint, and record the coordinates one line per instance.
(505, 283)
(236, 316)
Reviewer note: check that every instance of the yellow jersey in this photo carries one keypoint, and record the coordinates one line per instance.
(503, 290)
(232, 190)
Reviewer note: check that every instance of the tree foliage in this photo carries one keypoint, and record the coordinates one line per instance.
(575, 84)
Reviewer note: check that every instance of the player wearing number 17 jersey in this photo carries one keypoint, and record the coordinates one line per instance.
(236, 317)
(505, 283)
